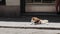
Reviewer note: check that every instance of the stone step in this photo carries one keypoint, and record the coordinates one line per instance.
(27, 31)
(29, 25)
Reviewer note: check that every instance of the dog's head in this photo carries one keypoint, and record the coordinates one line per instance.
(36, 20)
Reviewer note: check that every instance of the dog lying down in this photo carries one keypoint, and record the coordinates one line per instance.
(36, 20)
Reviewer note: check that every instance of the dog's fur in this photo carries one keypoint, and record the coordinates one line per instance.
(36, 20)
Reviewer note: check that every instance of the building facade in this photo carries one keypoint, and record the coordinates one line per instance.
(13, 6)
(12, 2)
(9, 8)
(40, 5)
(35, 5)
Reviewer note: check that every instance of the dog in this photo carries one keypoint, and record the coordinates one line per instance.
(36, 20)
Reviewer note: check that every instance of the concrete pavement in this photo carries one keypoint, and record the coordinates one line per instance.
(27, 31)
(28, 24)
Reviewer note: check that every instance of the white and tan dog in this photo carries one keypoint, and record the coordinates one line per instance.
(36, 20)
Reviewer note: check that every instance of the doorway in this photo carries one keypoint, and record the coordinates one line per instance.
(2, 2)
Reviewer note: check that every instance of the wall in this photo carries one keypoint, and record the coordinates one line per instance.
(12, 2)
(32, 8)
(40, 8)
(12, 8)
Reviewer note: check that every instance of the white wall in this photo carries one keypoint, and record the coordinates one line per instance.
(12, 2)
(36, 8)
(40, 8)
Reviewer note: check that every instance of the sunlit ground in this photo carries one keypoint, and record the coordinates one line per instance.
(27, 31)
(28, 24)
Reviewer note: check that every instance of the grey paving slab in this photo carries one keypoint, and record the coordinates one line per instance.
(27, 31)
(28, 24)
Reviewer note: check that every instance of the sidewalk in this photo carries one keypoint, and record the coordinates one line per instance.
(7, 24)
(27, 31)
(7, 27)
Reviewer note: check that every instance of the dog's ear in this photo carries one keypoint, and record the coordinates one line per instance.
(32, 19)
